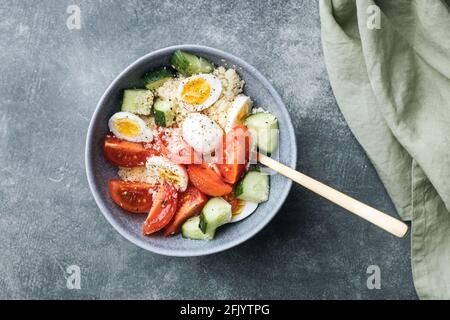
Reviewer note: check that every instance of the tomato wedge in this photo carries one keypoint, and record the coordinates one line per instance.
(190, 203)
(235, 154)
(135, 197)
(207, 180)
(163, 208)
(126, 154)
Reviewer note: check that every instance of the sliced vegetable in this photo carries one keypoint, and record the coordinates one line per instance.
(189, 64)
(138, 101)
(253, 187)
(190, 203)
(191, 230)
(265, 128)
(236, 154)
(135, 197)
(126, 154)
(215, 213)
(156, 78)
(207, 180)
(163, 208)
(164, 112)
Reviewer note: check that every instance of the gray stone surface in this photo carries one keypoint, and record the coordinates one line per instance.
(50, 81)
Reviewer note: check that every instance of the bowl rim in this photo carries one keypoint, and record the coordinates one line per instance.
(89, 150)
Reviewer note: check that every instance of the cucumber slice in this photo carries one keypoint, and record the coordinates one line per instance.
(156, 78)
(164, 112)
(253, 187)
(215, 213)
(191, 230)
(189, 64)
(264, 128)
(138, 101)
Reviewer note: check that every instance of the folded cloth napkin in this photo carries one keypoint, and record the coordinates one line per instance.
(389, 67)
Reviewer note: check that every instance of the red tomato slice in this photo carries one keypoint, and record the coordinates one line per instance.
(135, 197)
(163, 208)
(190, 203)
(207, 180)
(216, 169)
(126, 154)
(236, 154)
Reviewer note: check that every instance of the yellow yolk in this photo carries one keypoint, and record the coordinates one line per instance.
(127, 127)
(169, 176)
(196, 91)
(242, 114)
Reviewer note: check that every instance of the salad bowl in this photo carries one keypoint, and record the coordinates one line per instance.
(100, 171)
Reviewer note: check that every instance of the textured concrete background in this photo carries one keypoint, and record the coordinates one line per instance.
(50, 81)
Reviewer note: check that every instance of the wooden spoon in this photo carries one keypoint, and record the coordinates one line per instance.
(378, 218)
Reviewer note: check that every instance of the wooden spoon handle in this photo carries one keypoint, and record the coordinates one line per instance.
(378, 218)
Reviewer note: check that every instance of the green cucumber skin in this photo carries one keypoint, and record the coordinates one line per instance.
(190, 230)
(164, 116)
(179, 63)
(242, 192)
(188, 64)
(130, 103)
(205, 66)
(239, 188)
(156, 78)
(202, 223)
(217, 204)
(265, 129)
(156, 84)
(160, 118)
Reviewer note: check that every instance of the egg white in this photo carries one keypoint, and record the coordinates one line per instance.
(240, 109)
(216, 91)
(159, 167)
(145, 134)
(201, 133)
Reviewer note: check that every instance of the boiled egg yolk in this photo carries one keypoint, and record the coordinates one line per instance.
(196, 91)
(169, 176)
(127, 127)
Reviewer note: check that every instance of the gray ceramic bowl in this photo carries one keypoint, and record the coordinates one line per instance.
(99, 171)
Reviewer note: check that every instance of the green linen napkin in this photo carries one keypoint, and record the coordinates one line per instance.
(392, 84)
